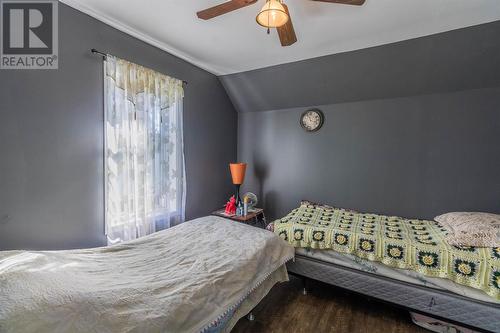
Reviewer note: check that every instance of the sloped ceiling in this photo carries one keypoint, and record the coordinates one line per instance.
(234, 42)
(462, 59)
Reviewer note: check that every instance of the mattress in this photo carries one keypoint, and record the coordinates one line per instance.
(189, 278)
(354, 262)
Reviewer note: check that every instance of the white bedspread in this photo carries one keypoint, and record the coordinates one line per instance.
(177, 280)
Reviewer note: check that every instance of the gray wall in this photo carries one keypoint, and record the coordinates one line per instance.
(51, 138)
(412, 128)
(412, 156)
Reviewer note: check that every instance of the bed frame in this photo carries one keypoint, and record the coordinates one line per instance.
(432, 302)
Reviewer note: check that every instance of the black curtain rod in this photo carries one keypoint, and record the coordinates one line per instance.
(104, 56)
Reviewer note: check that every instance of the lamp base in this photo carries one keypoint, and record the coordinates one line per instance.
(237, 195)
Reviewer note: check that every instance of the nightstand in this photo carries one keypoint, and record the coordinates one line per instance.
(255, 217)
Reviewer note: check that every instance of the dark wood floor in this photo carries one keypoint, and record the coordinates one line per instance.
(323, 309)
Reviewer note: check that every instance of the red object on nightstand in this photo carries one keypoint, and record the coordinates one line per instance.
(231, 206)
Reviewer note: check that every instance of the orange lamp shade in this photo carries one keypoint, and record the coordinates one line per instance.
(238, 172)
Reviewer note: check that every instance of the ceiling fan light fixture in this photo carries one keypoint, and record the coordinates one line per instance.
(272, 15)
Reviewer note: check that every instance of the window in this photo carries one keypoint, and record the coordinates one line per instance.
(145, 177)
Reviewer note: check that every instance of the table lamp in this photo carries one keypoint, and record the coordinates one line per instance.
(238, 176)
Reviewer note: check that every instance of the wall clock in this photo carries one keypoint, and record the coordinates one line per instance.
(312, 120)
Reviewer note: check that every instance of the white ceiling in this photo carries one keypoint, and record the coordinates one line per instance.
(234, 42)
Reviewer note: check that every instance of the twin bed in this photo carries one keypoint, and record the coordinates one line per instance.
(406, 262)
(200, 276)
(206, 274)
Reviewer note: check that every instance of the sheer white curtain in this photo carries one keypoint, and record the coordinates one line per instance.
(145, 177)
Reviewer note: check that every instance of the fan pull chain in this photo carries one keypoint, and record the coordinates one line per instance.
(268, 20)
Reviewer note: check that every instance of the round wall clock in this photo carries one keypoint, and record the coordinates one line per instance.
(312, 120)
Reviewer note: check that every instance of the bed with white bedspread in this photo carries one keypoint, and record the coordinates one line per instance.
(189, 278)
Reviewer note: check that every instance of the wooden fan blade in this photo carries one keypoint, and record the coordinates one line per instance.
(345, 2)
(286, 32)
(224, 8)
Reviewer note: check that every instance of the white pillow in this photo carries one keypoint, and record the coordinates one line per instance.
(471, 229)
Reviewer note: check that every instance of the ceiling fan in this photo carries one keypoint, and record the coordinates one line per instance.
(274, 14)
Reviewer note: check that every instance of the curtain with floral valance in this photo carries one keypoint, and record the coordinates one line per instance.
(144, 157)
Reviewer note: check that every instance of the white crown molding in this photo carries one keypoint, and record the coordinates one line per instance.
(137, 34)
